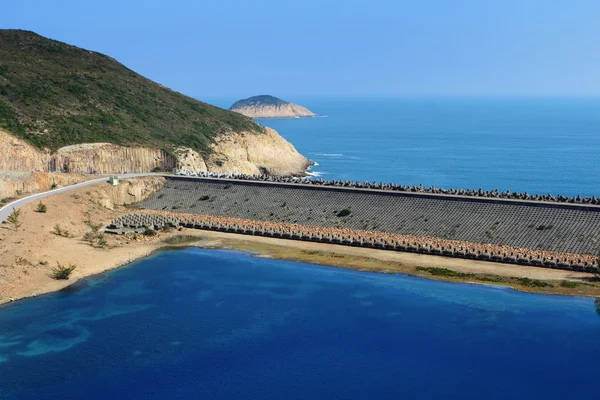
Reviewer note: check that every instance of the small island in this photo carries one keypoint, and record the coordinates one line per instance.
(266, 106)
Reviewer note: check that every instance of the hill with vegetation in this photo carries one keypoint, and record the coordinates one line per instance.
(257, 101)
(53, 94)
(266, 106)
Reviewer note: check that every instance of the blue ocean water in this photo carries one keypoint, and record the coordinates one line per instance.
(538, 145)
(196, 323)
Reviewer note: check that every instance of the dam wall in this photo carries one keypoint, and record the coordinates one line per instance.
(544, 226)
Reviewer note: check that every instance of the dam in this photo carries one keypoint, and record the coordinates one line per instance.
(535, 225)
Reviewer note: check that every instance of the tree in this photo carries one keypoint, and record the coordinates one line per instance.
(62, 272)
(14, 219)
(41, 207)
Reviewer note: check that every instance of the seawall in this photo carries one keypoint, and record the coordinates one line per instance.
(552, 227)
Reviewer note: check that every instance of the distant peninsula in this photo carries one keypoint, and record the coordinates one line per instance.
(266, 106)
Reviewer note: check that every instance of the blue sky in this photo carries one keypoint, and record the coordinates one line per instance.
(336, 48)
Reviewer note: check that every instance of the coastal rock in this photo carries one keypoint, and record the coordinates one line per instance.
(243, 153)
(266, 106)
(257, 154)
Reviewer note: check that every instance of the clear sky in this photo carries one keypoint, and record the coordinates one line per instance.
(336, 48)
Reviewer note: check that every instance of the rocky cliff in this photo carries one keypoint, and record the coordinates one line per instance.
(129, 191)
(15, 184)
(269, 107)
(247, 153)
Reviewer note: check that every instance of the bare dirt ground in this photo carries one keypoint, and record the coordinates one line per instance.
(27, 255)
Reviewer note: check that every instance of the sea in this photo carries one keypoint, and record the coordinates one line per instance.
(216, 324)
(534, 145)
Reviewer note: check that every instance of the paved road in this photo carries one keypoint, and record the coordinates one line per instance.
(7, 209)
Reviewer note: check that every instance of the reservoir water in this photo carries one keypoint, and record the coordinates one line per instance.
(535, 145)
(196, 323)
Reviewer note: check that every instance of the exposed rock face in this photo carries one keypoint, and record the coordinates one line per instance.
(106, 158)
(249, 153)
(15, 184)
(127, 192)
(89, 158)
(255, 154)
(269, 107)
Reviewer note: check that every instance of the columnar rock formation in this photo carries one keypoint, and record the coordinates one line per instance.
(235, 152)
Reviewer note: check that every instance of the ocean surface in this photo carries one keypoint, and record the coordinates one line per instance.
(535, 145)
(193, 323)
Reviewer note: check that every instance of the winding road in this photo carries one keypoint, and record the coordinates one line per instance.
(7, 209)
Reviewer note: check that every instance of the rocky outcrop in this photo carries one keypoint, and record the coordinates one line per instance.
(269, 107)
(106, 158)
(127, 192)
(15, 185)
(247, 153)
(257, 154)
(18, 155)
(88, 158)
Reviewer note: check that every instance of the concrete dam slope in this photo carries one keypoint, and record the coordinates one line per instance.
(534, 225)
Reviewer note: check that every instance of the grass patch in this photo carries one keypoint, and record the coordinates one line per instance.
(445, 272)
(532, 282)
(569, 284)
(182, 239)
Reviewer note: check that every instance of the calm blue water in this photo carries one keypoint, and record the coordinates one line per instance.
(534, 145)
(215, 324)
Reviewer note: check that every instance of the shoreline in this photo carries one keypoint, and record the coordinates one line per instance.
(29, 254)
(332, 256)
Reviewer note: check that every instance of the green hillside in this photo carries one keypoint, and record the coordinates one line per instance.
(53, 94)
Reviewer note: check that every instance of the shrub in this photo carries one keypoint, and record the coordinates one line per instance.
(41, 207)
(14, 219)
(544, 227)
(101, 241)
(149, 232)
(54, 185)
(344, 213)
(62, 272)
(61, 232)
(436, 271)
